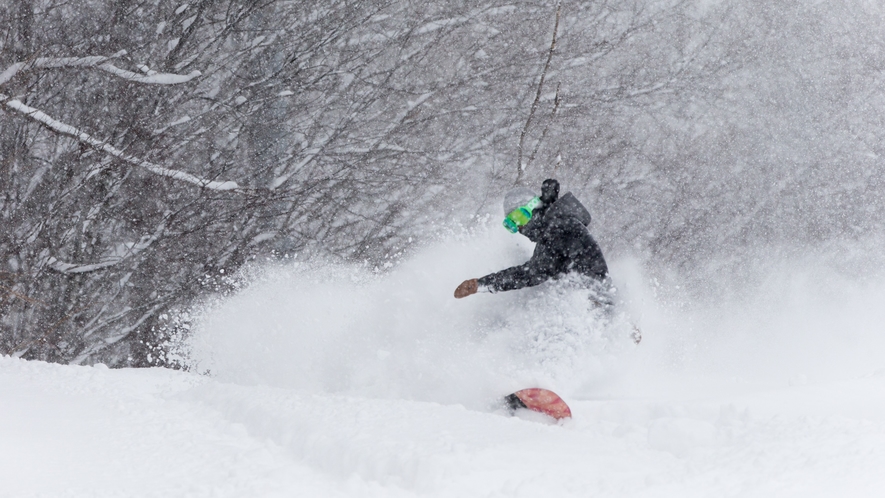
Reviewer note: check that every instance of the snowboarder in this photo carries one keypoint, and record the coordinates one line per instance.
(558, 226)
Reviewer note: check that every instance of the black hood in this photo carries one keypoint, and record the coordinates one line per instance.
(543, 217)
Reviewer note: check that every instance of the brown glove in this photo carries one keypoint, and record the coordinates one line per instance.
(466, 288)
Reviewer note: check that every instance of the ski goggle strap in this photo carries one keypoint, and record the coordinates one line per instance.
(521, 215)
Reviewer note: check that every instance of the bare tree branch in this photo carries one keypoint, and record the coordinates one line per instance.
(100, 62)
(557, 100)
(103, 146)
(525, 130)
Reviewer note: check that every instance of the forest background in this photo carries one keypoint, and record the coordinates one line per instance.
(151, 149)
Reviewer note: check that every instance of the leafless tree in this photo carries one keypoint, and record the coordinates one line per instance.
(149, 149)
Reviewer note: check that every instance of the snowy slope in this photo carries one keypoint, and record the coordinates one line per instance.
(83, 431)
(328, 381)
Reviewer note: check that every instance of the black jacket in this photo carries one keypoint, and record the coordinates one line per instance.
(563, 245)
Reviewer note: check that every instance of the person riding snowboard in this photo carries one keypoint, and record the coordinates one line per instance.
(558, 226)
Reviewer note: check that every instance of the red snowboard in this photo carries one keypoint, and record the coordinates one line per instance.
(539, 400)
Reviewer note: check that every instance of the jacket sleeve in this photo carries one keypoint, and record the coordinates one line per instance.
(543, 266)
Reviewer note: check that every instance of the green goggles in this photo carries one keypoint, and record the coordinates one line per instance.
(521, 215)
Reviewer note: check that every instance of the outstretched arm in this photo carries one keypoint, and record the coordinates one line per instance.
(533, 272)
(539, 269)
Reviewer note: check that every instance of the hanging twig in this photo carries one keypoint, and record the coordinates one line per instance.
(10, 292)
(556, 164)
(556, 101)
(23, 347)
(528, 122)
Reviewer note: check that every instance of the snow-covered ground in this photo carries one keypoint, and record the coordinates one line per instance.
(319, 380)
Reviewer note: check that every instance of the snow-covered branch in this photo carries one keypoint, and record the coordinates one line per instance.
(101, 62)
(103, 146)
(97, 62)
(151, 79)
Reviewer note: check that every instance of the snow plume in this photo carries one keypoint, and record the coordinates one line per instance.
(778, 317)
(344, 329)
(336, 328)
